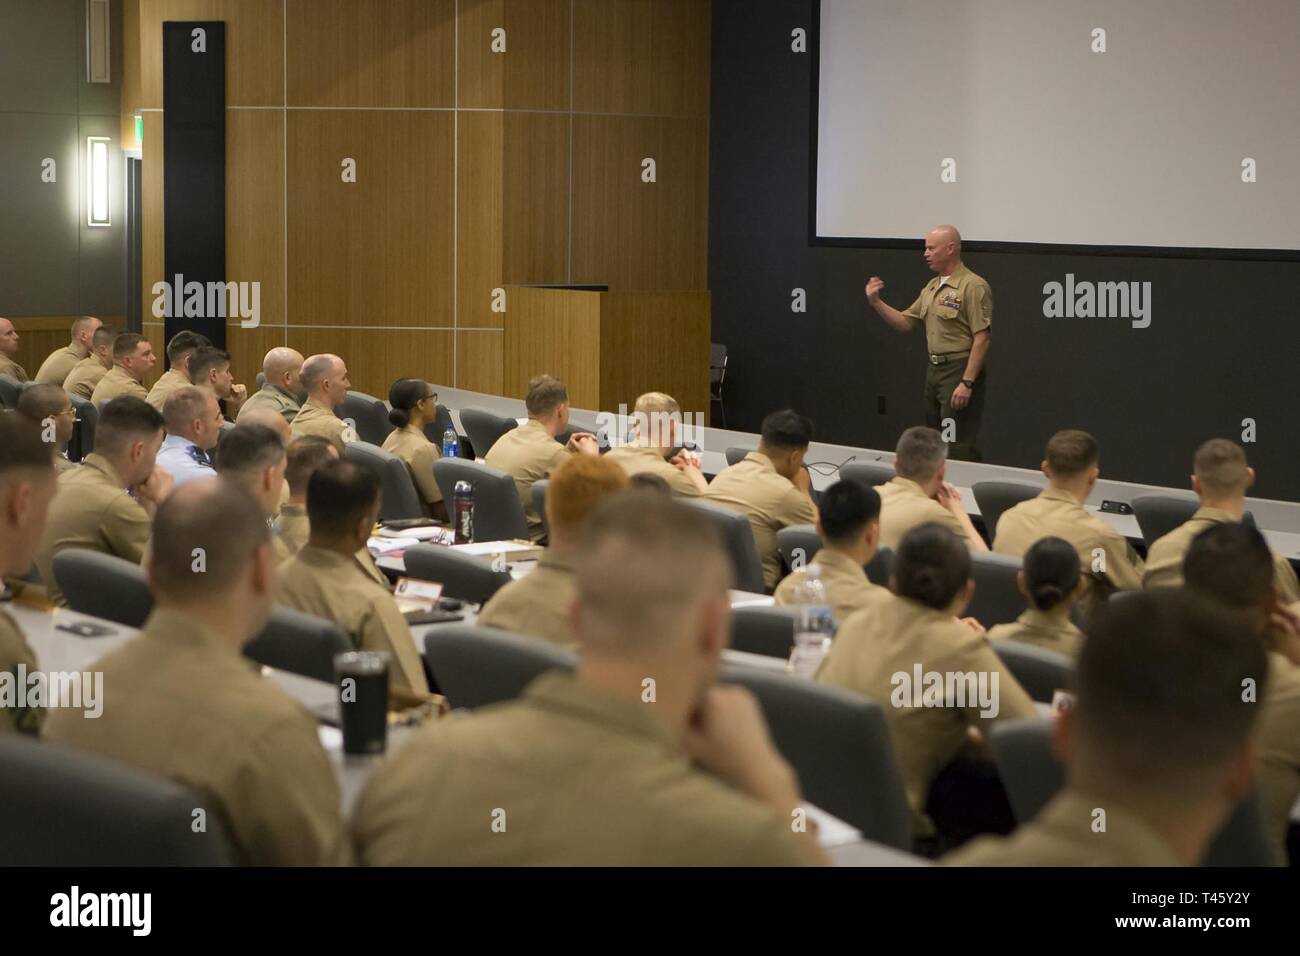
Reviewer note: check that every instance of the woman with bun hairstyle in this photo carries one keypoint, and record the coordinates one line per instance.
(1052, 581)
(414, 405)
(894, 651)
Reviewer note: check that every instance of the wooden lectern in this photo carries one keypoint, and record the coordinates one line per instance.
(609, 347)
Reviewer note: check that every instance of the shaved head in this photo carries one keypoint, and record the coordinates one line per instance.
(271, 418)
(325, 378)
(943, 249)
(282, 367)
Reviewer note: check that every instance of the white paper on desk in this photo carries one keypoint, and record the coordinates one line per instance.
(377, 545)
(494, 547)
(831, 831)
(423, 533)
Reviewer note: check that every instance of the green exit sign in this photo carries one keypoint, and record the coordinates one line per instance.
(139, 129)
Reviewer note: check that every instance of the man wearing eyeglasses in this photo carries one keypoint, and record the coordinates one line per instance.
(50, 408)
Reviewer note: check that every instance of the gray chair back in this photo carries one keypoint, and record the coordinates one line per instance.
(466, 577)
(538, 492)
(764, 630)
(64, 807)
(736, 454)
(881, 566)
(498, 512)
(839, 746)
(1032, 775)
(869, 473)
(995, 497)
(798, 544)
(261, 380)
(484, 428)
(369, 415)
(997, 599)
(10, 390)
(83, 435)
(399, 497)
(299, 643)
(476, 666)
(103, 585)
(1157, 515)
(738, 538)
(1039, 671)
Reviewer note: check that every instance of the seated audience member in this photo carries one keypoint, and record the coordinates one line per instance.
(182, 345)
(1231, 564)
(1052, 581)
(268, 417)
(530, 452)
(1220, 477)
(414, 406)
(282, 388)
(252, 456)
(539, 603)
(1071, 466)
(193, 420)
(87, 373)
(183, 703)
(107, 503)
(644, 481)
(880, 650)
(770, 486)
(50, 408)
(302, 458)
(918, 493)
(586, 772)
(326, 578)
(1157, 747)
(133, 360)
(8, 350)
(325, 380)
(848, 522)
(210, 369)
(658, 422)
(27, 486)
(54, 370)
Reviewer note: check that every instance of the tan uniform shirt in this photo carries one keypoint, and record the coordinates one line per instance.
(538, 604)
(11, 368)
(116, 382)
(845, 581)
(1277, 748)
(1056, 513)
(770, 502)
(636, 460)
(1042, 629)
(527, 454)
(92, 509)
(61, 463)
(1164, 564)
(168, 382)
(419, 454)
(268, 396)
(84, 377)
(316, 419)
(569, 775)
(180, 702)
(877, 647)
(57, 365)
(1062, 835)
(904, 506)
(15, 650)
(954, 312)
(339, 589)
(293, 526)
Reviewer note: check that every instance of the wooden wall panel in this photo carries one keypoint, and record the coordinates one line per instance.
(376, 358)
(478, 361)
(634, 235)
(368, 53)
(535, 203)
(247, 348)
(38, 336)
(533, 72)
(480, 217)
(255, 206)
(378, 251)
(557, 333)
(131, 92)
(642, 56)
(656, 341)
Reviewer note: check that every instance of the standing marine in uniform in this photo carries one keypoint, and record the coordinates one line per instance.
(957, 309)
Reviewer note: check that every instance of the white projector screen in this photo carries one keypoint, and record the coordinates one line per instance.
(1144, 145)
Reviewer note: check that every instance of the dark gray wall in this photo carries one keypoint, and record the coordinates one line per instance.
(51, 261)
(1223, 344)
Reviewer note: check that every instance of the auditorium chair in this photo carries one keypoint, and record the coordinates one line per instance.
(995, 497)
(734, 455)
(476, 666)
(867, 473)
(261, 380)
(466, 577)
(399, 498)
(880, 567)
(1032, 775)
(498, 512)
(738, 538)
(764, 630)
(997, 597)
(539, 503)
(68, 808)
(369, 416)
(10, 390)
(484, 428)
(718, 377)
(103, 585)
(798, 544)
(83, 435)
(1041, 672)
(298, 643)
(1157, 515)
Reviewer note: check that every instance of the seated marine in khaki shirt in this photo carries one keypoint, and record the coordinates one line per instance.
(1051, 581)
(59, 363)
(87, 373)
(281, 389)
(919, 494)
(539, 603)
(133, 360)
(415, 405)
(582, 770)
(325, 379)
(9, 349)
(182, 702)
(179, 349)
(657, 420)
(1151, 777)
(1070, 464)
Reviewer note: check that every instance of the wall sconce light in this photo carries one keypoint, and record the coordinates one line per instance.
(97, 200)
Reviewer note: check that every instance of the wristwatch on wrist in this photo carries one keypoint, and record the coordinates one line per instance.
(968, 382)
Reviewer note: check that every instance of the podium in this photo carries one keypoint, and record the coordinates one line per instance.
(609, 347)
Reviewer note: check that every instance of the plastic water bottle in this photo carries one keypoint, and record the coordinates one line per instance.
(463, 512)
(450, 444)
(814, 625)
